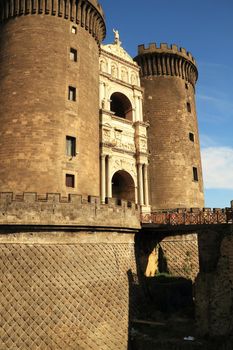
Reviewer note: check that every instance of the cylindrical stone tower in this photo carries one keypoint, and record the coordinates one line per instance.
(168, 76)
(49, 88)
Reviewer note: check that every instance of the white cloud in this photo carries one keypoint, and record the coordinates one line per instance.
(217, 163)
(208, 98)
(207, 141)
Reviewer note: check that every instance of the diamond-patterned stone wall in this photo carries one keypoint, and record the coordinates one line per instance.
(65, 296)
(181, 254)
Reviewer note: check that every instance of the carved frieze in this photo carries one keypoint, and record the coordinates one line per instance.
(124, 164)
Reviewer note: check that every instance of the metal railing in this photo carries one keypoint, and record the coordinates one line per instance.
(189, 217)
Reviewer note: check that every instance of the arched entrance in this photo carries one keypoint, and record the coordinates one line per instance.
(121, 106)
(123, 186)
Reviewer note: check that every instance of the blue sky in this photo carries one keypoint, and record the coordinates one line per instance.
(205, 28)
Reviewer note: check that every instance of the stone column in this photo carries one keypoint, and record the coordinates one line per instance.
(103, 179)
(102, 94)
(109, 178)
(137, 109)
(136, 194)
(145, 179)
(140, 185)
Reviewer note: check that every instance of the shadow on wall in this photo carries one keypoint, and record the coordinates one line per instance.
(157, 298)
(162, 292)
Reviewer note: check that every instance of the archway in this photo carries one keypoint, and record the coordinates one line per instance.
(121, 106)
(123, 186)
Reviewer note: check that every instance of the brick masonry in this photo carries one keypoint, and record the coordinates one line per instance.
(168, 77)
(36, 115)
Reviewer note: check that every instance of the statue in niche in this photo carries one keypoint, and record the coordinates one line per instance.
(124, 75)
(133, 79)
(114, 71)
(102, 66)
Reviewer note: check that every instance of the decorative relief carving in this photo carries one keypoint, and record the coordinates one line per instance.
(124, 75)
(118, 135)
(143, 145)
(133, 79)
(114, 71)
(103, 65)
(126, 165)
(106, 135)
(117, 139)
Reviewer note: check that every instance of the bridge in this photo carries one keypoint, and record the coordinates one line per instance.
(187, 217)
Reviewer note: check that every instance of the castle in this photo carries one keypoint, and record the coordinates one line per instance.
(90, 139)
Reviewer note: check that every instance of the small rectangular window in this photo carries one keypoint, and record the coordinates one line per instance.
(191, 136)
(195, 174)
(73, 55)
(188, 107)
(70, 146)
(69, 180)
(186, 86)
(72, 93)
(74, 30)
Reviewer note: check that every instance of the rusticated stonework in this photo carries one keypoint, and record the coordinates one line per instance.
(65, 292)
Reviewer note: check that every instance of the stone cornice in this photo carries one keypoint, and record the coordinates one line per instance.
(120, 59)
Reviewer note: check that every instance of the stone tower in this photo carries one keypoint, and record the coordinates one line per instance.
(168, 75)
(49, 83)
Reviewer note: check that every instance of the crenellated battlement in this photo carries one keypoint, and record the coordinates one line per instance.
(164, 47)
(86, 13)
(73, 210)
(167, 60)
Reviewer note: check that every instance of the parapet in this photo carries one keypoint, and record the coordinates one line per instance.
(165, 48)
(99, 7)
(167, 60)
(87, 13)
(74, 210)
(192, 216)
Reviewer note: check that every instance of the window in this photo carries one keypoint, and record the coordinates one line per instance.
(191, 136)
(74, 30)
(72, 93)
(73, 55)
(121, 106)
(70, 146)
(195, 174)
(69, 180)
(188, 107)
(186, 86)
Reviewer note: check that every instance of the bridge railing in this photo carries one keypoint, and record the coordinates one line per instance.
(189, 217)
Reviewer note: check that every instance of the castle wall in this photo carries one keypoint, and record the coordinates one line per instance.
(214, 289)
(68, 272)
(168, 77)
(65, 290)
(36, 114)
(176, 253)
(72, 211)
